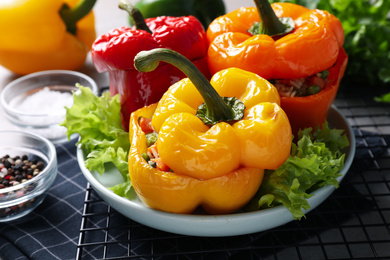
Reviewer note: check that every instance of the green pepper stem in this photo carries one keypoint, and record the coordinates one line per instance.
(71, 16)
(137, 16)
(217, 109)
(270, 24)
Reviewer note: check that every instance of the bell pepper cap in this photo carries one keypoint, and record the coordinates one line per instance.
(311, 47)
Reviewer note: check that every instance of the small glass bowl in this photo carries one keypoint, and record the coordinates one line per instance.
(42, 113)
(19, 200)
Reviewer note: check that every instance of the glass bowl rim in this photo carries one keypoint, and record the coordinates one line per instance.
(10, 110)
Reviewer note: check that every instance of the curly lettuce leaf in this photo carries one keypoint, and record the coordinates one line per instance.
(98, 122)
(315, 161)
(125, 189)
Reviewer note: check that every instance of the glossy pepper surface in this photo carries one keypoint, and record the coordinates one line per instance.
(204, 10)
(310, 111)
(314, 45)
(115, 51)
(218, 166)
(45, 34)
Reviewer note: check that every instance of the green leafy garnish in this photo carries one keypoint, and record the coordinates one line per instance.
(125, 189)
(315, 161)
(98, 122)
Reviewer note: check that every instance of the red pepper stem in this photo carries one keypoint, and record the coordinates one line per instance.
(71, 16)
(270, 24)
(137, 16)
(217, 109)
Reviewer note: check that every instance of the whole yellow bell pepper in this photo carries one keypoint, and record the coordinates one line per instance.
(178, 193)
(45, 34)
(217, 148)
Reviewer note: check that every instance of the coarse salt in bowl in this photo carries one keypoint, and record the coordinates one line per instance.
(36, 102)
(21, 196)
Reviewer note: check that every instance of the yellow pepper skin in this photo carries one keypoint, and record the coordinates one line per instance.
(191, 148)
(262, 139)
(208, 163)
(34, 36)
(178, 193)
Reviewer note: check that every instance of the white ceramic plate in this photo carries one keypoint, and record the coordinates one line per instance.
(210, 225)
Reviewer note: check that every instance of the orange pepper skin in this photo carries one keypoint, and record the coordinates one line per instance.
(171, 192)
(311, 47)
(312, 110)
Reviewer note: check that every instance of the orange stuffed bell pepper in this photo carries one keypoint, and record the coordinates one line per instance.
(299, 50)
(209, 151)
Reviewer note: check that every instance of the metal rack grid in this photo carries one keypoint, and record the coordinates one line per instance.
(353, 223)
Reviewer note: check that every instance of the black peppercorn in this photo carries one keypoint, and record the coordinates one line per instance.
(14, 170)
(18, 167)
(7, 164)
(18, 177)
(40, 165)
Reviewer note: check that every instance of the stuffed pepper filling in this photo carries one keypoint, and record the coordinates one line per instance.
(302, 87)
(151, 156)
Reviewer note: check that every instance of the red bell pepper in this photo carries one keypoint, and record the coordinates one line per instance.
(115, 51)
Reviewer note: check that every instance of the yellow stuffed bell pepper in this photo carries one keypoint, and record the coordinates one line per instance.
(215, 149)
(45, 34)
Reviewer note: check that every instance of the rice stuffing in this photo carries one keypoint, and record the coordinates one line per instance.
(301, 87)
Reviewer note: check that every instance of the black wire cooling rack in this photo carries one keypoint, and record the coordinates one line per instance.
(353, 223)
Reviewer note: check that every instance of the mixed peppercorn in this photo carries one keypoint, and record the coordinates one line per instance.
(18, 169)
